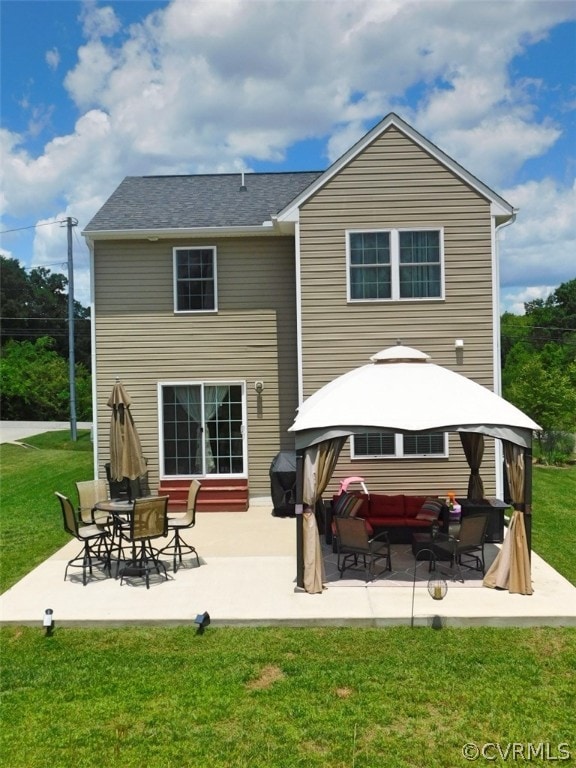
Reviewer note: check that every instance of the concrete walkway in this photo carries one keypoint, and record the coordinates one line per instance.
(247, 577)
(17, 431)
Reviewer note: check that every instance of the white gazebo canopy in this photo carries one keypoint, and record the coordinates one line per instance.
(400, 390)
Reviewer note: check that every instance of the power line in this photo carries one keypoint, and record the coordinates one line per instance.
(32, 226)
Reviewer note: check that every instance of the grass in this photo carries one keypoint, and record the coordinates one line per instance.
(30, 511)
(338, 697)
(554, 518)
(281, 697)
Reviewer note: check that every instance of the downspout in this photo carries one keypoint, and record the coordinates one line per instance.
(299, 509)
(496, 340)
(527, 510)
(90, 245)
(298, 312)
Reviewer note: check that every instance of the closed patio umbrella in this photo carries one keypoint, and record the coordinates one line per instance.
(126, 459)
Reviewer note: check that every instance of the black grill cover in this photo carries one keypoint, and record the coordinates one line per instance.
(283, 483)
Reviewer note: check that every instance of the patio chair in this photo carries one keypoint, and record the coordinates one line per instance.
(178, 522)
(468, 543)
(90, 492)
(353, 542)
(148, 521)
(94, 541)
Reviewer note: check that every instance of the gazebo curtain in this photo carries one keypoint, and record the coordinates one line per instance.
(473, 445)
(319, 463)
(511, 568)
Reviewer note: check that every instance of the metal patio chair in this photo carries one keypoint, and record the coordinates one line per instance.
(353, 543)
(148, 520)
(468, 543)
(94, 541)
(177, 522)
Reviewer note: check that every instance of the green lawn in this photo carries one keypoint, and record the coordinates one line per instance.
(272, 697)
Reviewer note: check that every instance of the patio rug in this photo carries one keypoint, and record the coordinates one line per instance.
(402, 573)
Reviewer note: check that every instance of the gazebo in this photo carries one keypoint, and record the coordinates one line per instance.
(401, 390)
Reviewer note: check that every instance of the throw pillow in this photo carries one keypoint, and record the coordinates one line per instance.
(356, 507)
(347, 505)
(340, 503)
(430, 510)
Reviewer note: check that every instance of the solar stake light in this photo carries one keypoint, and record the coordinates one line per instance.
(202, 620)
(437, 588)
(48, 621)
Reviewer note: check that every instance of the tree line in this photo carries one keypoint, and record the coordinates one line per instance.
(34, 370)
(539, 368)
(538, 355)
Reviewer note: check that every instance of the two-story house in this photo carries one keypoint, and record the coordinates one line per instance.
(222, 301)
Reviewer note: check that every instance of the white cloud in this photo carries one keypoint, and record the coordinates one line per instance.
(53, 58)
(212, 86)
(538, 252)
(98, 21)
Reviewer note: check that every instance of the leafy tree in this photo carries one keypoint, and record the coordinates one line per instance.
(35, 304)
(514, 330)
(554, 319)
(35, 383)
(539, 367)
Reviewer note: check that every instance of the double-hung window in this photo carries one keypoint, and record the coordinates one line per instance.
(377, 445)
(395, 264)
(195, 279)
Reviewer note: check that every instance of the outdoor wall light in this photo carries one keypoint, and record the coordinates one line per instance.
(48, 621)
(202, 620)
(459, 344)
(259, 387)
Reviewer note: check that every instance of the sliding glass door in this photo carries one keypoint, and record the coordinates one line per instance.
(202, 429)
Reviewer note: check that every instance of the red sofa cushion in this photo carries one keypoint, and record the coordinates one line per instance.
(413, 505)
(386, 506)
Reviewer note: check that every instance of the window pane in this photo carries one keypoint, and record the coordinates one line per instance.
(195, 286)
(420, 281)
(420, 264)
(374, 444)
(370, 274)
(182, 430)
(370, 283)
(419, 444)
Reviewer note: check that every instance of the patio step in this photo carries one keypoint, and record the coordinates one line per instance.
(215, 495)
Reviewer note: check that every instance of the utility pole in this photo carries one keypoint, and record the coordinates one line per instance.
(70, 222)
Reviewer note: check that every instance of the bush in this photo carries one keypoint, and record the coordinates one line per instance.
(556, 447)
(35, 383)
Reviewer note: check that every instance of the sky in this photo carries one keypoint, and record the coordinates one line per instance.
(95, 91)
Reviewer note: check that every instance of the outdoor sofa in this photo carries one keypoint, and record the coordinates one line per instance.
(400, 514)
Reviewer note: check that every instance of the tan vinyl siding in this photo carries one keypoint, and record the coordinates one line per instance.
(252, 337)
(394, 183)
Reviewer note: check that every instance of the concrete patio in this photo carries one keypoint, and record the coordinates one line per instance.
(247, 577)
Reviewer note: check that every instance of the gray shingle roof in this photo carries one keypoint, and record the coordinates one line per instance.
(181, 202)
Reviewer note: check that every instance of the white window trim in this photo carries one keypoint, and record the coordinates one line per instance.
(202, 383)
(394, 233)
(398, 451)
(175, 278)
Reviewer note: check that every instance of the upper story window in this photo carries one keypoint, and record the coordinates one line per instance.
(395, 264)
(377, 445)
(195, 279)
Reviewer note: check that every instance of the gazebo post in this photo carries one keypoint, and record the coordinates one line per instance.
(528, 497)
(300, 519)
